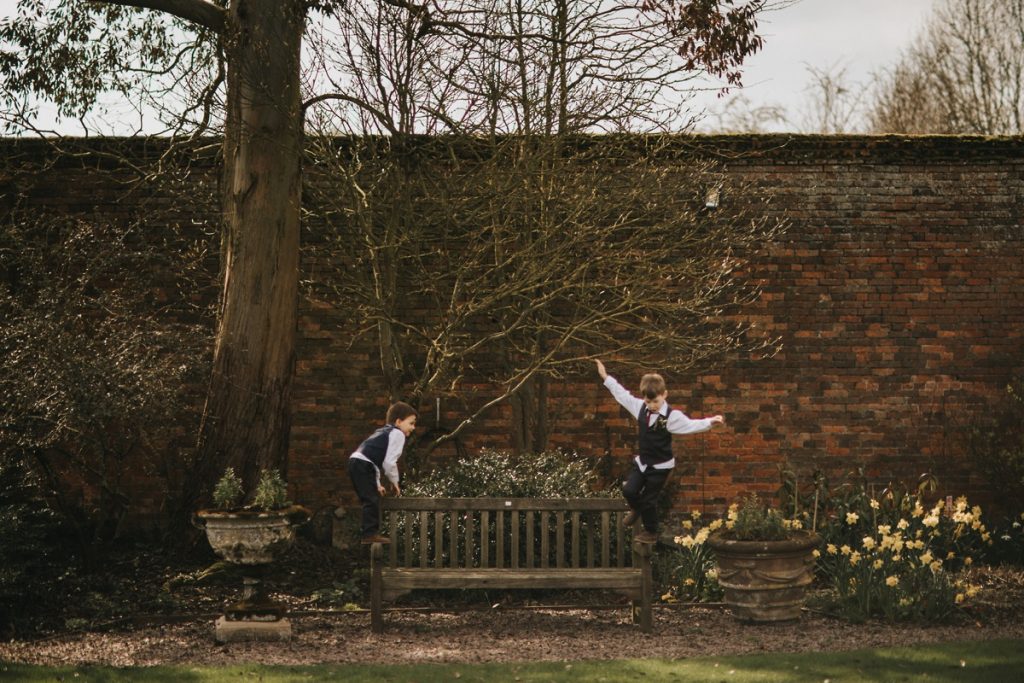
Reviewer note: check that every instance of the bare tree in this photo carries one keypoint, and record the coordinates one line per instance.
(522, 259)
(834, 103)
(527, 67)
(964, 74)
(739, 114)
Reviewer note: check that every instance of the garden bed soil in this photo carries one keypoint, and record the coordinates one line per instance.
(161, 612)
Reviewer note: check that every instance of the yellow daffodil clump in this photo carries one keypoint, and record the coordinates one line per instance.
(899, 558)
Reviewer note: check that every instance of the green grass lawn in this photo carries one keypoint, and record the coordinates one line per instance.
(998, 661)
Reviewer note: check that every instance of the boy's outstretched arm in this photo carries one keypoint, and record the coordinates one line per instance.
(627, 400)
(680, 423)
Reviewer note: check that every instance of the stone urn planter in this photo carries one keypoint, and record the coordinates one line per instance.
(252, 539)
(765, 581)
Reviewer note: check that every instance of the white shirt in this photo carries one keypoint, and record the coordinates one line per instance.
(396, 442)
(677, 422)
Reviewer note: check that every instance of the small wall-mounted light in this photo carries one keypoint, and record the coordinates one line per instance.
(712, 197)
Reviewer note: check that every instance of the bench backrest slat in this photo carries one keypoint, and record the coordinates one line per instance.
(545, 533)
(485, 525)
(605, 539)
(590, 544)
(453, 540)
(424, 537)
(576, 539)
(619, 545)
(439, 535)
(506, 533)
(529, 538)
(468, 557)
(499, 553)
(393, 535)
(560, 539)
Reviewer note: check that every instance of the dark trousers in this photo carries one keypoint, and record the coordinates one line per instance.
(364, 480)
(641, 491)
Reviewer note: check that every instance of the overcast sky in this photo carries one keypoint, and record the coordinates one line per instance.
(861, 36)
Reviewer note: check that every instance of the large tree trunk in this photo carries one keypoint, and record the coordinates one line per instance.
(247, 416)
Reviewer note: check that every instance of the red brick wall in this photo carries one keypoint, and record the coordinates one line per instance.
(897, 291)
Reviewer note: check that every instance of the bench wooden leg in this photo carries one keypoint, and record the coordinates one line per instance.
(376, 589)
(642, 551)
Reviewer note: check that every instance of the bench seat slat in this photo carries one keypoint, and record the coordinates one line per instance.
(553, 504)
(611, 579)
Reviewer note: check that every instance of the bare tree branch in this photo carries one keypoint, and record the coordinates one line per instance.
(201, 12)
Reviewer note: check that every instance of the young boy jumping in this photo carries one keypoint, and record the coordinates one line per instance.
(657, 422)
(380, 453)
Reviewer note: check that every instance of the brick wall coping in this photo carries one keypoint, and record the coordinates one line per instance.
(777, 148)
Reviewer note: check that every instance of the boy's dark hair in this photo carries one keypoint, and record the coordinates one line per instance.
(399, 411)
(652, 385)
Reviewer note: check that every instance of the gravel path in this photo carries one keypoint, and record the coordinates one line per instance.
(498, 635)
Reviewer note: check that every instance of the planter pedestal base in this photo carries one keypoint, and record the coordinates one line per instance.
(226, 631)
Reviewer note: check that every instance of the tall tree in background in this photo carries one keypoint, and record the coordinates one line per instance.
(964, 74)
(242, 59)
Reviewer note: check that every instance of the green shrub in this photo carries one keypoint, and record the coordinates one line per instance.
(31, 541)
(752, 520)
(1007, 542)
(271, 491)
(996, 447)
(227, 494)
(340, 594)
(98, 378)
(494, 473)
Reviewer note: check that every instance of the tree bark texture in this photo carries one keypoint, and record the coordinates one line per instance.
(247, 415)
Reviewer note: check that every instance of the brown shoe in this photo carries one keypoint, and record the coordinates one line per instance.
(646, 536)
(630, 518)
(375, 538)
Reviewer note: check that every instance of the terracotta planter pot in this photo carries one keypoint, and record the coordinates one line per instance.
(248, 537)
(765, 581)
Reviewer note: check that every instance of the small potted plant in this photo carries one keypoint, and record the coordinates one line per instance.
(765, 562)
(252, 534)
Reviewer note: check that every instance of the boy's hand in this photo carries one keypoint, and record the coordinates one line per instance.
(381, 490)
(717, 420)
(600, 369)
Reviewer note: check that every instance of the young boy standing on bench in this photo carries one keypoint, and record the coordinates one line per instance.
(656, 423)
(380, 453)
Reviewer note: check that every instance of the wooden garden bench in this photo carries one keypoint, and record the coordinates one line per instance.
(508, 543)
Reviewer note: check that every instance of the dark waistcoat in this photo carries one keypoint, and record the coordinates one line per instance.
(375, 448)
(655, 441)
